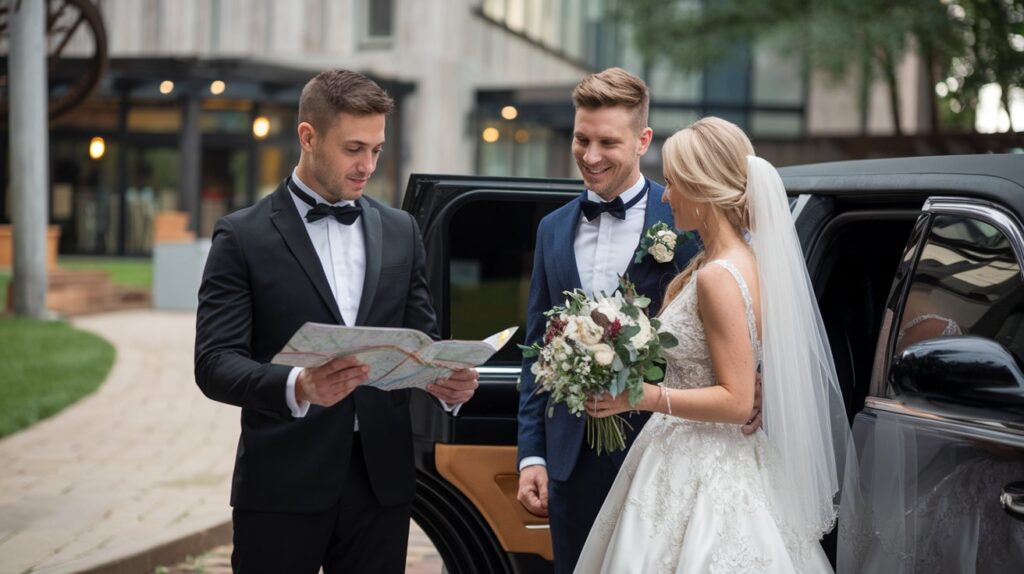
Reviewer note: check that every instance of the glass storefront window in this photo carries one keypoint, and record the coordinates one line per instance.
(92, 114)
(226, 116)
(273, 164)
(776, 124)
(283, 119)
(159, 118)
(667, 121)
(778, 79)
(153, 187)
(84, 201)
(523, 149)
(224, 185)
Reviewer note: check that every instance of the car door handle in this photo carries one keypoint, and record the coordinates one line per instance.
(1012, 500)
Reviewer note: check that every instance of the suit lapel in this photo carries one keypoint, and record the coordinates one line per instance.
(656, 211)
(565, 249)
(373, 241)
(289, 224)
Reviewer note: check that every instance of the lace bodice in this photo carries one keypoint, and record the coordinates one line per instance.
(689, 362)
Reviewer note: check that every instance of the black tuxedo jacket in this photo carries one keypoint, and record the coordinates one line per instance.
(262, 281)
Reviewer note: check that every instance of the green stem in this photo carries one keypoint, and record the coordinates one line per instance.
(607, 435)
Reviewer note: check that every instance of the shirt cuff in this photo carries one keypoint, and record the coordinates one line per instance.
(298, 411)
(451, 409)
(532, 461)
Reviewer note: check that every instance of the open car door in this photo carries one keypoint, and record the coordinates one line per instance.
(479, 235)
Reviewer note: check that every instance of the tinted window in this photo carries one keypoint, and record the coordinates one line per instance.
(490, 263)
(967, 282)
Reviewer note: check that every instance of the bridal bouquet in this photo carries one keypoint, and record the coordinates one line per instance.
(596, 344)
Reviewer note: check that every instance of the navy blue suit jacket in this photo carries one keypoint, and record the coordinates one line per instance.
(558, 438)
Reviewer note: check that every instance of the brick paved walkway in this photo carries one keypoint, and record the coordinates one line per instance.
(142, 464)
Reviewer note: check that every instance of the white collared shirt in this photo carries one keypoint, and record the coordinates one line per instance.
(342, 253)
(606, 246)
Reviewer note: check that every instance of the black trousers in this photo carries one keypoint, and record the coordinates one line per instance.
(355, 535)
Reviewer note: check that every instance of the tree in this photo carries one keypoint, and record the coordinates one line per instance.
(993, 40)
(833, 36)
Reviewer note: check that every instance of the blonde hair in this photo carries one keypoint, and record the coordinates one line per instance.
(614, 87)
(707, 163)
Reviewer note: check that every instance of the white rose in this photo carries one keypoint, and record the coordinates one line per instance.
(583, 330)
(668, 238)
(590, 332)
(603, 354)
(641, 339)
(661, 253)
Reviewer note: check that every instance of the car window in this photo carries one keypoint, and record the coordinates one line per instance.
(967, 282)
(491, 245)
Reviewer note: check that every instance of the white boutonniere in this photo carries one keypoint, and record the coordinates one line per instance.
(660, 241)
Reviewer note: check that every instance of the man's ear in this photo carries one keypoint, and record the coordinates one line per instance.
(646, 135)
(307, 136)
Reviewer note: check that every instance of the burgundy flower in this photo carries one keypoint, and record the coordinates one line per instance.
(612, 330)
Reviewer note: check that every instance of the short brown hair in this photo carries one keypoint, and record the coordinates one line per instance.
(614, 87)
(335, 91)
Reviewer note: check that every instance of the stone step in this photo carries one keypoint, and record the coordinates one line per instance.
(72, 292)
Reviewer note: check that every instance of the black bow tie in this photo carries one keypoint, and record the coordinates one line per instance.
(616, 208)
(345, 214)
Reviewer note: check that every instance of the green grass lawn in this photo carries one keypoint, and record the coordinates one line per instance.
(5, 281)
(124, 271)
(46, 366)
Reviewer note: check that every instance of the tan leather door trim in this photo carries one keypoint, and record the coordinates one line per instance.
(487, 476)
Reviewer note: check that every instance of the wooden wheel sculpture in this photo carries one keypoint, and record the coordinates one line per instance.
(73, 28)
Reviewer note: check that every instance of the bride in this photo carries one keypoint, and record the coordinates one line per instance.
(695, 494)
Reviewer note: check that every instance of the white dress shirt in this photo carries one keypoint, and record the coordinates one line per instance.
(605, 246)
(604, 249)
(342, 253)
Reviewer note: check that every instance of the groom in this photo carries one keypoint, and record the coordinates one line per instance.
(324, 470)
(587, 244)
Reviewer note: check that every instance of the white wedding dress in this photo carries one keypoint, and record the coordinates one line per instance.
(695, 497)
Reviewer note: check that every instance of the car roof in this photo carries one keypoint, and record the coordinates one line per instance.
(994, 177)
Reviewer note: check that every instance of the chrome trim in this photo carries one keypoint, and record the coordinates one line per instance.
(538, 526)
(971, 428)
(801, 202)
(503, 372)
(1012, 499)
(988, 211)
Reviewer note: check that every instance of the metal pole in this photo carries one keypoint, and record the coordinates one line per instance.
(29, 151)
(190, 148)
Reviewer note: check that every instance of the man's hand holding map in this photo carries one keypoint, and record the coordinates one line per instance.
(397, 358)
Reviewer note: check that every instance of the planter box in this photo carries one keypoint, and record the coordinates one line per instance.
(7, 246)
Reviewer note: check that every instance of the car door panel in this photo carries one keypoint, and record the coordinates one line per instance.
(479, 234)
(933, 472)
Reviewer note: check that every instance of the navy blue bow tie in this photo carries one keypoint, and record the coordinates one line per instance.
(345, 214)
(616, 208)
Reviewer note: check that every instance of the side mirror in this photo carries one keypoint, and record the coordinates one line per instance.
(962, 376)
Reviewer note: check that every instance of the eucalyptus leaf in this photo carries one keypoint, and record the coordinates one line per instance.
(667, 340)
(654, 373)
